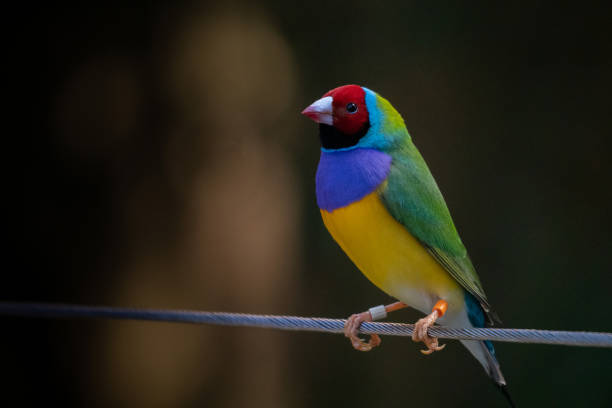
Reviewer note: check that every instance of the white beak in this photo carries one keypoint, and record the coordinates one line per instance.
(321, 111)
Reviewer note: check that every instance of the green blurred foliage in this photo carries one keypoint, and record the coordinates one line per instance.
(166, 165)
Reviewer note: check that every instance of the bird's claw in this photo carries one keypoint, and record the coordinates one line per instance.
(420, 333)
(351, 329)
(432, 345)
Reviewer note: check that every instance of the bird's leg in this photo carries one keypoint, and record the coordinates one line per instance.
(421, 326)
(351, 327)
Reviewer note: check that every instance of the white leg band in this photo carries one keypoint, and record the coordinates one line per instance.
(378, 312)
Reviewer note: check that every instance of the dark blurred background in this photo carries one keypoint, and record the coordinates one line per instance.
(161, 161)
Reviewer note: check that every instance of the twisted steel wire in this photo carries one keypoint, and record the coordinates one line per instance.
(568, 338)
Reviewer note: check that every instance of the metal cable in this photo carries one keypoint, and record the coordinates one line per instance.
(568, 338)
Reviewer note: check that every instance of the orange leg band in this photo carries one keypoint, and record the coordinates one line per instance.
(441, 307)
(395, 306)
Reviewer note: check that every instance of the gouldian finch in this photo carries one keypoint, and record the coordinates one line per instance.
(381, 204)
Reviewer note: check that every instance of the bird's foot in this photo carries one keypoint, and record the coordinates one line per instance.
(421, 326)
(351, 328)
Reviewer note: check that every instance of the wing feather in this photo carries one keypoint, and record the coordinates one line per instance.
(413, 198)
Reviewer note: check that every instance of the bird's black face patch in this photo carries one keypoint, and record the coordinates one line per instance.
(332, 138)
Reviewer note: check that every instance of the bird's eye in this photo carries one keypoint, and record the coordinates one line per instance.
(351, 108)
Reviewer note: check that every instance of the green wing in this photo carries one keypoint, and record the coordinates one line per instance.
(413, 198)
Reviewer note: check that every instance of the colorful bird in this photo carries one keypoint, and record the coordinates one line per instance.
(383, 207)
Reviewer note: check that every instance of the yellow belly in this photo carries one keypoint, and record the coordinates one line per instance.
(390, 257)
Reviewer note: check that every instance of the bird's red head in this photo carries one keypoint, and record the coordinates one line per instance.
(349, 107)
(343, 108)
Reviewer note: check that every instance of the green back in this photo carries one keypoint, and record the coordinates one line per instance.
(413, 198)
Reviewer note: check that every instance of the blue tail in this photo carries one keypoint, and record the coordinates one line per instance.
(483, 350)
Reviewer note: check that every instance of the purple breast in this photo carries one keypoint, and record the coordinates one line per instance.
(344, 177)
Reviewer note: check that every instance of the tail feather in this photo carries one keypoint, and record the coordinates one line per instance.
(485, 354)
(504, 390)
(483, 350)
(492, 366)
(494, 371)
